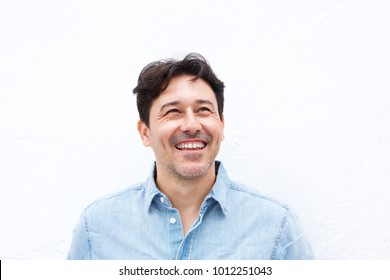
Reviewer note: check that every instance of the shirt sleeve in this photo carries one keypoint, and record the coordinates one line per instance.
(80, 248)
(292, 243)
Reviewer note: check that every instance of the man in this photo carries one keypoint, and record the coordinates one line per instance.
(188, 208)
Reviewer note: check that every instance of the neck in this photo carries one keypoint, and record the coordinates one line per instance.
(185, 194)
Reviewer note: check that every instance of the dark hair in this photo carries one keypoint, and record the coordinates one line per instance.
(155, 77)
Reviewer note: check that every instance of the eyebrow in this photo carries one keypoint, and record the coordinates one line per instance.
(173, 103)
(204, 101)
(177, 102)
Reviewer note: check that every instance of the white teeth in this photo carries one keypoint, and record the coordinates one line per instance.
(193, 145)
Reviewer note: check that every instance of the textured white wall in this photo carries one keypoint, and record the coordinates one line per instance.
(307, 110)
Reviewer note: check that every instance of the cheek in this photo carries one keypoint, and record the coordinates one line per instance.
(216, 128)
(162, 135)
(221, 133)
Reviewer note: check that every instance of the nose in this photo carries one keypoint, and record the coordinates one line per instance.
(190, 123)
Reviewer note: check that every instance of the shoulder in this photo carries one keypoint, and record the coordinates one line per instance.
(251, 197)
(240, 195)
(117, 200)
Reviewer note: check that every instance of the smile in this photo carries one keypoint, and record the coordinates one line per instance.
(190, 145)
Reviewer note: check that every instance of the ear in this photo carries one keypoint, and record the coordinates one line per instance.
(144, 132)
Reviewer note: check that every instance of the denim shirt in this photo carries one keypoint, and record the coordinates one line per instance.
(234, 222)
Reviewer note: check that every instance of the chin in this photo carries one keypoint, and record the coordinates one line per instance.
(192, 171)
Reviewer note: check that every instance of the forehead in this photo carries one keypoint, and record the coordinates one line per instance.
(184, 88)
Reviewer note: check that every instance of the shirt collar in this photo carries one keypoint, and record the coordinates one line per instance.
(218, 192)
(221, 185)
(151, 190)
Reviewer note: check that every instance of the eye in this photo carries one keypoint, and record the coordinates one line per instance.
(172, 111)
(204, 111)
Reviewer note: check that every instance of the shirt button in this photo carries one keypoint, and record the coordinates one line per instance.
(172, 220)
(162, 199)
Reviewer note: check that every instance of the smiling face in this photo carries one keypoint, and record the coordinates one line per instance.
(185, 130)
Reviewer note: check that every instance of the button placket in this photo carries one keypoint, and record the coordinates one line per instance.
(175, 230)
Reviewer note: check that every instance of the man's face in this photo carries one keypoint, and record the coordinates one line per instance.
(185, 130)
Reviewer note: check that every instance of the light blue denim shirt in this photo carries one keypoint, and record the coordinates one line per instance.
(234, 223)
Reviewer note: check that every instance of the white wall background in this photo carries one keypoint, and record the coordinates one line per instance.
(307, 110)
